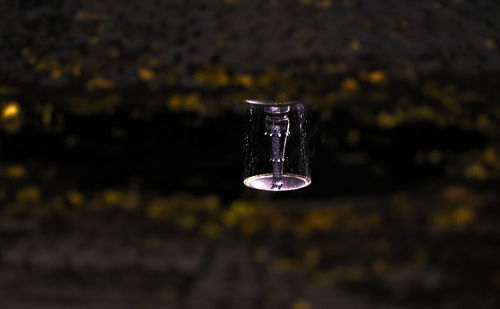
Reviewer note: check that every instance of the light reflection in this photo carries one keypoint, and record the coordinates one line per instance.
(10, 110)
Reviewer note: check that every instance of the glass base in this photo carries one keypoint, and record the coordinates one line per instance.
(265, 182)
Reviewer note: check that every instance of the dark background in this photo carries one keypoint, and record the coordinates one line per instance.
(121, 140)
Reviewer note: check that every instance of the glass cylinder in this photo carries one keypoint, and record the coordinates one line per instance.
(276, 146)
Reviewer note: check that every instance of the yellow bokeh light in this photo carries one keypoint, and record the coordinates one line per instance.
(111, 197)
(56, 73)
(350, 85)
(490, 44)
(355, 45)
(28, 194)
(11, 110)
(476, 171)
(463, 216)
(386, 120)
(244, 80)
(15, 171)
(324, 3)
(377, 77)
(99, 83)
(301, 304)
(75, 198)
(146, 74)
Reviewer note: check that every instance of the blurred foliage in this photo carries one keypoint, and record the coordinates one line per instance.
(101, 70)
(352, 242)
(453, 209)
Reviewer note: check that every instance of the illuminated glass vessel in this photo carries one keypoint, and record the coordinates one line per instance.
(276, 146)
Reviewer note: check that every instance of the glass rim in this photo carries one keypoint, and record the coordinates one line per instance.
(270, 103)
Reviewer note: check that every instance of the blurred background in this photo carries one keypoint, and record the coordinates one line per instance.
(121, 139)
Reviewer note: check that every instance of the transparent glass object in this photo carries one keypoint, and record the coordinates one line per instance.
(276, 150)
